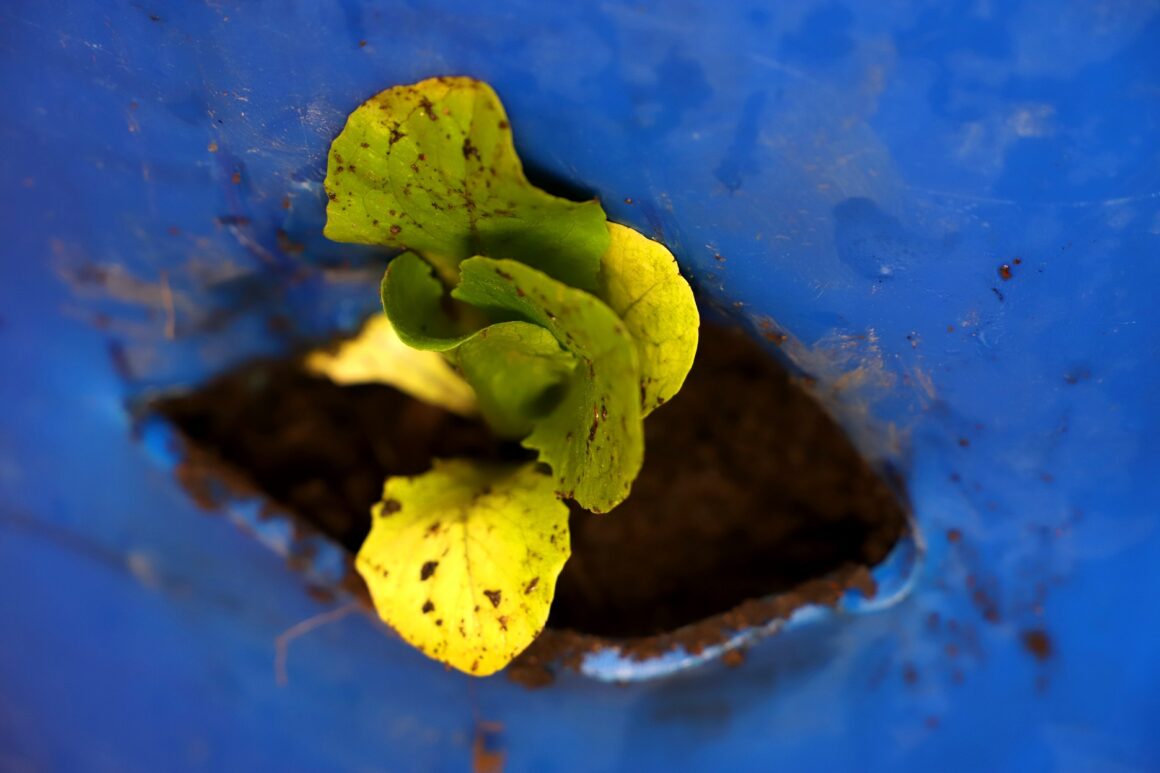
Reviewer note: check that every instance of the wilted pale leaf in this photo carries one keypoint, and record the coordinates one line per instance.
(377, 356)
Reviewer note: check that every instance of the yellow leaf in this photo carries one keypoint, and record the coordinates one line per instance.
(377, 356)
(462, 561)
(640, 281)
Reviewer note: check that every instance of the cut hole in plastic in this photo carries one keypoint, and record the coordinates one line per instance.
(749, 489)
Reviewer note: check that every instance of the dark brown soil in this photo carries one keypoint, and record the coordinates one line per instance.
(748, 490)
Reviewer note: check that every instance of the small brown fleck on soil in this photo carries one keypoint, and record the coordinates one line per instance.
(1005, 272)
(494, 596)
(1018, 261)
(1038, 643)
(954, 535)
(427, 570)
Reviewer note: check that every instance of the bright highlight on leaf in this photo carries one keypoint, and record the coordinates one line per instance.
(639, 279)
(431, 167)
(462, 561)
(377, 356)
(568, 330)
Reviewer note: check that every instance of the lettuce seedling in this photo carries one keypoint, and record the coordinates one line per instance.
(567, 329)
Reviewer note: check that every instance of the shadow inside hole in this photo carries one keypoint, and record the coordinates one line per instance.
(748, 488)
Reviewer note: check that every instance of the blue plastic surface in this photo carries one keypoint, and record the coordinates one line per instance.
(863, 169)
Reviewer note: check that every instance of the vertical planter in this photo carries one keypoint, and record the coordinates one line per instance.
(946, 217)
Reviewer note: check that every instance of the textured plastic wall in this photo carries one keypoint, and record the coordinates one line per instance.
(865, 170)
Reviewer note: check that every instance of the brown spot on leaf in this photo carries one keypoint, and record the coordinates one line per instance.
(395, 230)
(428, 607)
(494, 596)
(531, 586)
(427, 570)
(428, 108)
(391, 506)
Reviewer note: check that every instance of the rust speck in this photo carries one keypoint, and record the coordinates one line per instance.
(1038, 643)
(1005, 272)
(954, 535)
(395, 230)
(494, 596)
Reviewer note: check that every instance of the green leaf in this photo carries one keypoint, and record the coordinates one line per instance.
(462, 561)
(416, 304)
(640, 281)
(431, 167)
(593, 439)
(519, 373)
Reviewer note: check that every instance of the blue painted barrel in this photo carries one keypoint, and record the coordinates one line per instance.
(952, 210)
